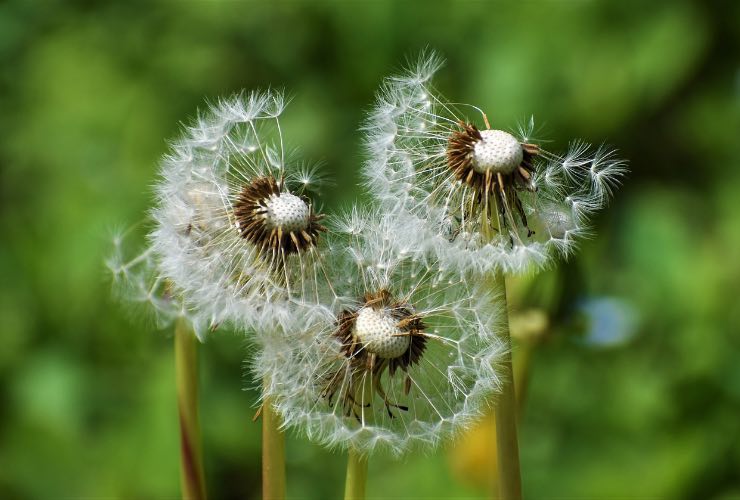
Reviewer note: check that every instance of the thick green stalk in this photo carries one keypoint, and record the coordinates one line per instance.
(273, 454)
(507, 446)
(192, 479)
(354, 488)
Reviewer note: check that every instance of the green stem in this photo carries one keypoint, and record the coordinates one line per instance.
(509, 476)
(192, 480)
(354, 488)
(507, 446)
(273, 454)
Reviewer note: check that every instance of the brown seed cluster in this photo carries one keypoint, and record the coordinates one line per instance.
(362, 362)
(491, 188)
(251, 212)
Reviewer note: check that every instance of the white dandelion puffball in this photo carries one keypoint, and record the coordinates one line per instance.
(236, 233)
(490, 199)
(405, 356)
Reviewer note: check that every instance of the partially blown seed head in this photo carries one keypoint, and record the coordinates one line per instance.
(404, 355)
(489, 199)
(237, 232)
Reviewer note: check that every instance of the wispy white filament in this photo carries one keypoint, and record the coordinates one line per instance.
(136, 281)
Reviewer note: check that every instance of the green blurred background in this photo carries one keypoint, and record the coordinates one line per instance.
(634, 391)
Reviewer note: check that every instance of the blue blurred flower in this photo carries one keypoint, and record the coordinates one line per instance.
(610, 321)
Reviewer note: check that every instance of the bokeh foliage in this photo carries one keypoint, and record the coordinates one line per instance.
(90, 92)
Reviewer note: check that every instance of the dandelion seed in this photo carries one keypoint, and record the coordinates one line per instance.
(492, 199)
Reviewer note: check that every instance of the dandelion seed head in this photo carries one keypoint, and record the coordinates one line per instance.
(497, 151)
(402, 358)
(482, 196)
(286, 211)
(379, 333)
(236, 232)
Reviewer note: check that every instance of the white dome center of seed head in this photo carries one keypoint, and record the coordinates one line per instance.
(377, 331)
(286, 211)
(497, 151)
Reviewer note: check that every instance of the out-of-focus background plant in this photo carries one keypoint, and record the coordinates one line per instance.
(631, 349)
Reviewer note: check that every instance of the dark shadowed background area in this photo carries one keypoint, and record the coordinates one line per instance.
(631, 390)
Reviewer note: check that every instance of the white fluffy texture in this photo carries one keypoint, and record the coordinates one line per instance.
(222, 276)
(379, 334)
(449, 387)
(137, 282)
(407, 171)
(497, 151)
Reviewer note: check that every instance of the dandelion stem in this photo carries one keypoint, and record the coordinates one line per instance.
(354, 488)
(192, 479)
(273, 454)
(510, 483)
(506, 411)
